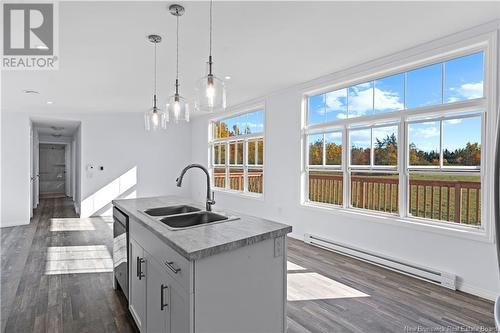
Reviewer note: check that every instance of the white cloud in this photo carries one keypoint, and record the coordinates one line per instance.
(454, 121)
(335, 100)
(467, 91)
(387, 100)
(426, 132)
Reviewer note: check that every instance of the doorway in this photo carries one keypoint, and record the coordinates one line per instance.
(52, 170)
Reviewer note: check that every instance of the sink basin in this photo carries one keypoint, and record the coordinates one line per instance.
(171, 210)
(192, 220)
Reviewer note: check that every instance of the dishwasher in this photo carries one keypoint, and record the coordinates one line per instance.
(120, 249)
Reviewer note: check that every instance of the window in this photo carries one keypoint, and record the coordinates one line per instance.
(237, 153)
(403, 144)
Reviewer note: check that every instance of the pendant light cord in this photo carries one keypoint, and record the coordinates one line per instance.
(210, 43)
(177, 61)
(155, 69)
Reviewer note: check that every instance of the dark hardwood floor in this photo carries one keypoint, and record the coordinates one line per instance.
(55, 277)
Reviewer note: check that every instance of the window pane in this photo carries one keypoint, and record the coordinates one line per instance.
(240, 153)
(216, 159)
(423, 143)
(375, 191)
(232, 124)
(423, 86)
(255, 180)
(220, 177)
(360, 146)
(223, 129)
(389, 93)
(360, 100)
(255, 122)
(216, 129)
(223, 153)
(315, 144)
(236, 179)
(464, 78)
(462, 142)
(336, 105)
(316, 112)
(385, 145)
(260, 152)
(454, 198)
(326, 187)
(333, 146)
(232, 153)
(251, 152)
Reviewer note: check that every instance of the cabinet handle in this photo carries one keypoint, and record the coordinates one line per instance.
(163, 305)
(140, 274)
(170, 264)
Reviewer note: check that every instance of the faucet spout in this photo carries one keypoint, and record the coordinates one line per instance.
(209, 200)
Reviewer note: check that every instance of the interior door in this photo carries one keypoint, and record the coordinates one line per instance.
(158, 298)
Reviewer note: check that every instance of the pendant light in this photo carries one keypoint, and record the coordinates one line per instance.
(177, 107)
(155, 118)
(210, 90)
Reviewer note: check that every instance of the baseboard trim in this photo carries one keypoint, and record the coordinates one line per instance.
(477, 291)
(8, 224)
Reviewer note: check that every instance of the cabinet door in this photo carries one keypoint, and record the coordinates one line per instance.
(157, 298)
(179, 308)
(137, 281)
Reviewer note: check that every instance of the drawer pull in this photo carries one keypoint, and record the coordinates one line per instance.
(170, 264)
(163, 305)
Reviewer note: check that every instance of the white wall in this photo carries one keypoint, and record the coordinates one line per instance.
(135, 162)
(473, 261)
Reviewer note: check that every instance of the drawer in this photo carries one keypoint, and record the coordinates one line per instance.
(178, 267)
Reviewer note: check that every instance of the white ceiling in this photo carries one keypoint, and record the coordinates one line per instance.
(106, 63)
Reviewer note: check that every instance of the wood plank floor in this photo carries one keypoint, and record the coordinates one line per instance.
(327, 292)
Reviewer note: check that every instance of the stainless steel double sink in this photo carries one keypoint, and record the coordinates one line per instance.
(184, 216)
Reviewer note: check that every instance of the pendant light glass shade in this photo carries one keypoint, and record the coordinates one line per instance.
(210, 94)
(155, 118)
(210, 90)
(178, 109)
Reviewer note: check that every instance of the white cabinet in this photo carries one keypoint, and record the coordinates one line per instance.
(137, 283)
(157, 298)
(167, 303)
(238, 291)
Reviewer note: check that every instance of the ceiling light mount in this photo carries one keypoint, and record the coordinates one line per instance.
(176, 10)
(154, 38)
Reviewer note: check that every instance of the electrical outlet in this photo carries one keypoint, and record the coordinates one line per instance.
(278, 246)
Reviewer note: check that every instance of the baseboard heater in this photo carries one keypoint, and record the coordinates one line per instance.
(444, 279)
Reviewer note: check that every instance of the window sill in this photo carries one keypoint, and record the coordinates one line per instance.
(246, 195)
(476, 234)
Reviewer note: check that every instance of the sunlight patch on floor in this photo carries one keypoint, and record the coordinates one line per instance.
(314, 286)
(71, 224)
(290, 266)
(78, 259)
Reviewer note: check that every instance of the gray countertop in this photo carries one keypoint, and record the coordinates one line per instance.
(203, 241)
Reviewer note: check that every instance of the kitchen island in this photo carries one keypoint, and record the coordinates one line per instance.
(227, 276)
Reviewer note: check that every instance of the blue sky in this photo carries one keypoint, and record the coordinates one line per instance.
(456, 134)
(463, 80)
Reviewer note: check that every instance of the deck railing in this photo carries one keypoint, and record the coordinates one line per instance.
(454, 201)
(236, 181)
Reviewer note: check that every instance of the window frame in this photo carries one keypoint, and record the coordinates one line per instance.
(412, 59)
(244, 138)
